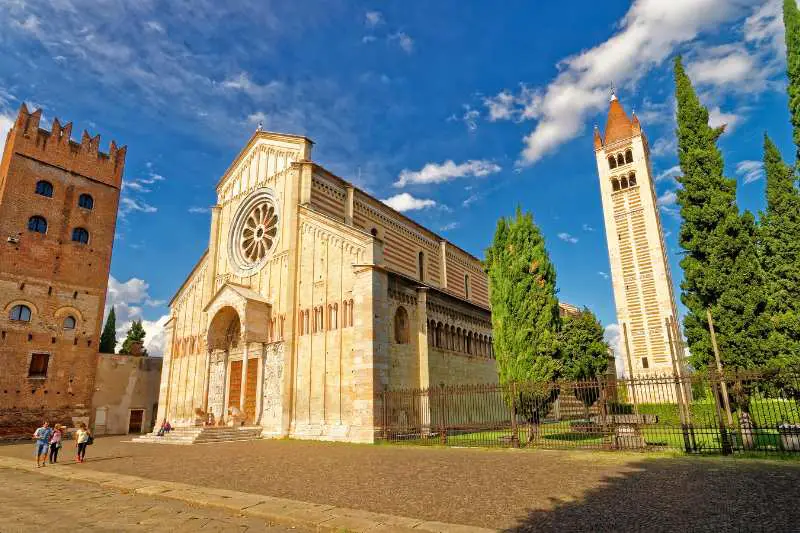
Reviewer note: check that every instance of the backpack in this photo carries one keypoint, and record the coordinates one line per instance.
(90, 440)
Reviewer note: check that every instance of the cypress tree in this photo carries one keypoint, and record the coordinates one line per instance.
(108, 339)
(780, 256)
(720, 263)
(791, 23)
(525, 318)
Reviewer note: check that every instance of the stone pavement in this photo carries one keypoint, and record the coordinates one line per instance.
(518, 490)
(31, 502)
(83, 496)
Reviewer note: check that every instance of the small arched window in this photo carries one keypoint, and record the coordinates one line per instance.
(612, 163)
(620, 160)
(615, 184)
(624, 182)
(44, 188)
(421, 265)
(374, 232)
(466, 286)
(628, 156)
(632, 179)
(69, 323)
(86, 201)
(401, 326)
(80, 235)
(37, 224)
(21, 313)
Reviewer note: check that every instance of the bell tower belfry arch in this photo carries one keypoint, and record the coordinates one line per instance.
(640, 271)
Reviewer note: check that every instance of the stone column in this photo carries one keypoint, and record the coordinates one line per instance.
(260, 385)
(165, 388)
(370, 350)
(208, 380)
(443, 258)
(243, 392)
(423, 346)
(213, 246)
(349, 206)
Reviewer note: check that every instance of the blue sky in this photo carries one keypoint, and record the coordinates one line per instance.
(457, 111)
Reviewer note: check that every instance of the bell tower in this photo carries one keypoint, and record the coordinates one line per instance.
(640, 272)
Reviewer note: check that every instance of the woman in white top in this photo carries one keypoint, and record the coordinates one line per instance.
(82, 437)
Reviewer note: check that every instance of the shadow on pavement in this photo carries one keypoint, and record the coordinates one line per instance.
(667, 494)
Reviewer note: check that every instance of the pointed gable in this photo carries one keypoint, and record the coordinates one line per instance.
(618, 125)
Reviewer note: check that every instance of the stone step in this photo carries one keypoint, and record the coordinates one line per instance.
(202, 435)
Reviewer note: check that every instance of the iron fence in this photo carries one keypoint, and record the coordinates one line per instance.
(699, 413)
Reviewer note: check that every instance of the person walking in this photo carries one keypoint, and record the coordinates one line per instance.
(83, 438)
(42, 436)
(55, 442)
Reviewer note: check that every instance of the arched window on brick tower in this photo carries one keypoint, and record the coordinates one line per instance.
(612, 162)
(632, 179)
(628, 156)
(401, 335)
(620, 160)
(614, 184)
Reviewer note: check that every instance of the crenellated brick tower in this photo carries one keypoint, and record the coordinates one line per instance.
(58, 213)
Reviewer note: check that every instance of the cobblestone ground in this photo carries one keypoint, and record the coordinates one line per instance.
(515, 489)
(31, 502)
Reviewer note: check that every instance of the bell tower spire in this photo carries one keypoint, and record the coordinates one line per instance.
(640, 271)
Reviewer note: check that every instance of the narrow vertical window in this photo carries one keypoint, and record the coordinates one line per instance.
(421, 265)
(466, 286)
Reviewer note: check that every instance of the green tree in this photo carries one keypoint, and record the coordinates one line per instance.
(585, 355)
(108, 339)
(720, 261)
(525, 317)
(136, 333)
(780, 257)
(791, 23)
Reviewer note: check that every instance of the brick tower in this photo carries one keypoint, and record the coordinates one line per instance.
(58, 212)
(639, 268)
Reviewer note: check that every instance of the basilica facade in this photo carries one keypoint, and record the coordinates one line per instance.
(314, 297)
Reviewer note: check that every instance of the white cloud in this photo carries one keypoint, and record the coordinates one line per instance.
(403, 40)
(750, 171)
(6, 122)
(449, 226)
(502, 106)
(368, 39)
(128, 205)
(664, 146)
(566, 237)
(405, 202)
(602, 274)
(154, 26)
(716, 118)
(242, 82)
(648, 34)
(613, 336)
(725, 65)
(128, 300)
(669, 175)
(668, 198)
(587, 227)
(447, 171)
(373, 18)
(471, 199)
(198, 210)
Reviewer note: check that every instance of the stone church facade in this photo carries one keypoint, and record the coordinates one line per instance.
(311, 299)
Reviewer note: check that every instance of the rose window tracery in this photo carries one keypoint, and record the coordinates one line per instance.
(254, 232)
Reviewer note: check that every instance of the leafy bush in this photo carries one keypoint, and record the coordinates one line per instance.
(769, 412)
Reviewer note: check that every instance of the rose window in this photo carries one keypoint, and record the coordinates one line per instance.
(254, 232)
(259, 232)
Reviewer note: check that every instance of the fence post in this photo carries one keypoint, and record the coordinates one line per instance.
(719, 368)
(679, 397)
(385, 417)
(514, 428)
(442, 416)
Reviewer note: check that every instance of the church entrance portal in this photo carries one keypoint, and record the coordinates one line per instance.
(250, 392)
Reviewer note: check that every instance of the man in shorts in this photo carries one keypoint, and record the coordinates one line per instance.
(42, 436)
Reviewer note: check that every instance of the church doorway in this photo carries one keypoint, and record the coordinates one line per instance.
(250, 390)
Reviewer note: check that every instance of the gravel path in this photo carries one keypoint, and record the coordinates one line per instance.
(520, 490)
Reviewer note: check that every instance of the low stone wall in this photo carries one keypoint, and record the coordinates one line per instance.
(19, 424)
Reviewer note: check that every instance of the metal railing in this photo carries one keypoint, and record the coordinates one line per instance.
(699, 413)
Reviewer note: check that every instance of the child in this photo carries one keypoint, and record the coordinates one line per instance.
(42, 436)
(82, 438)
(55, 443)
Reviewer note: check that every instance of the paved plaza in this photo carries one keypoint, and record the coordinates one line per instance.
(31, 502)
(518, 490)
